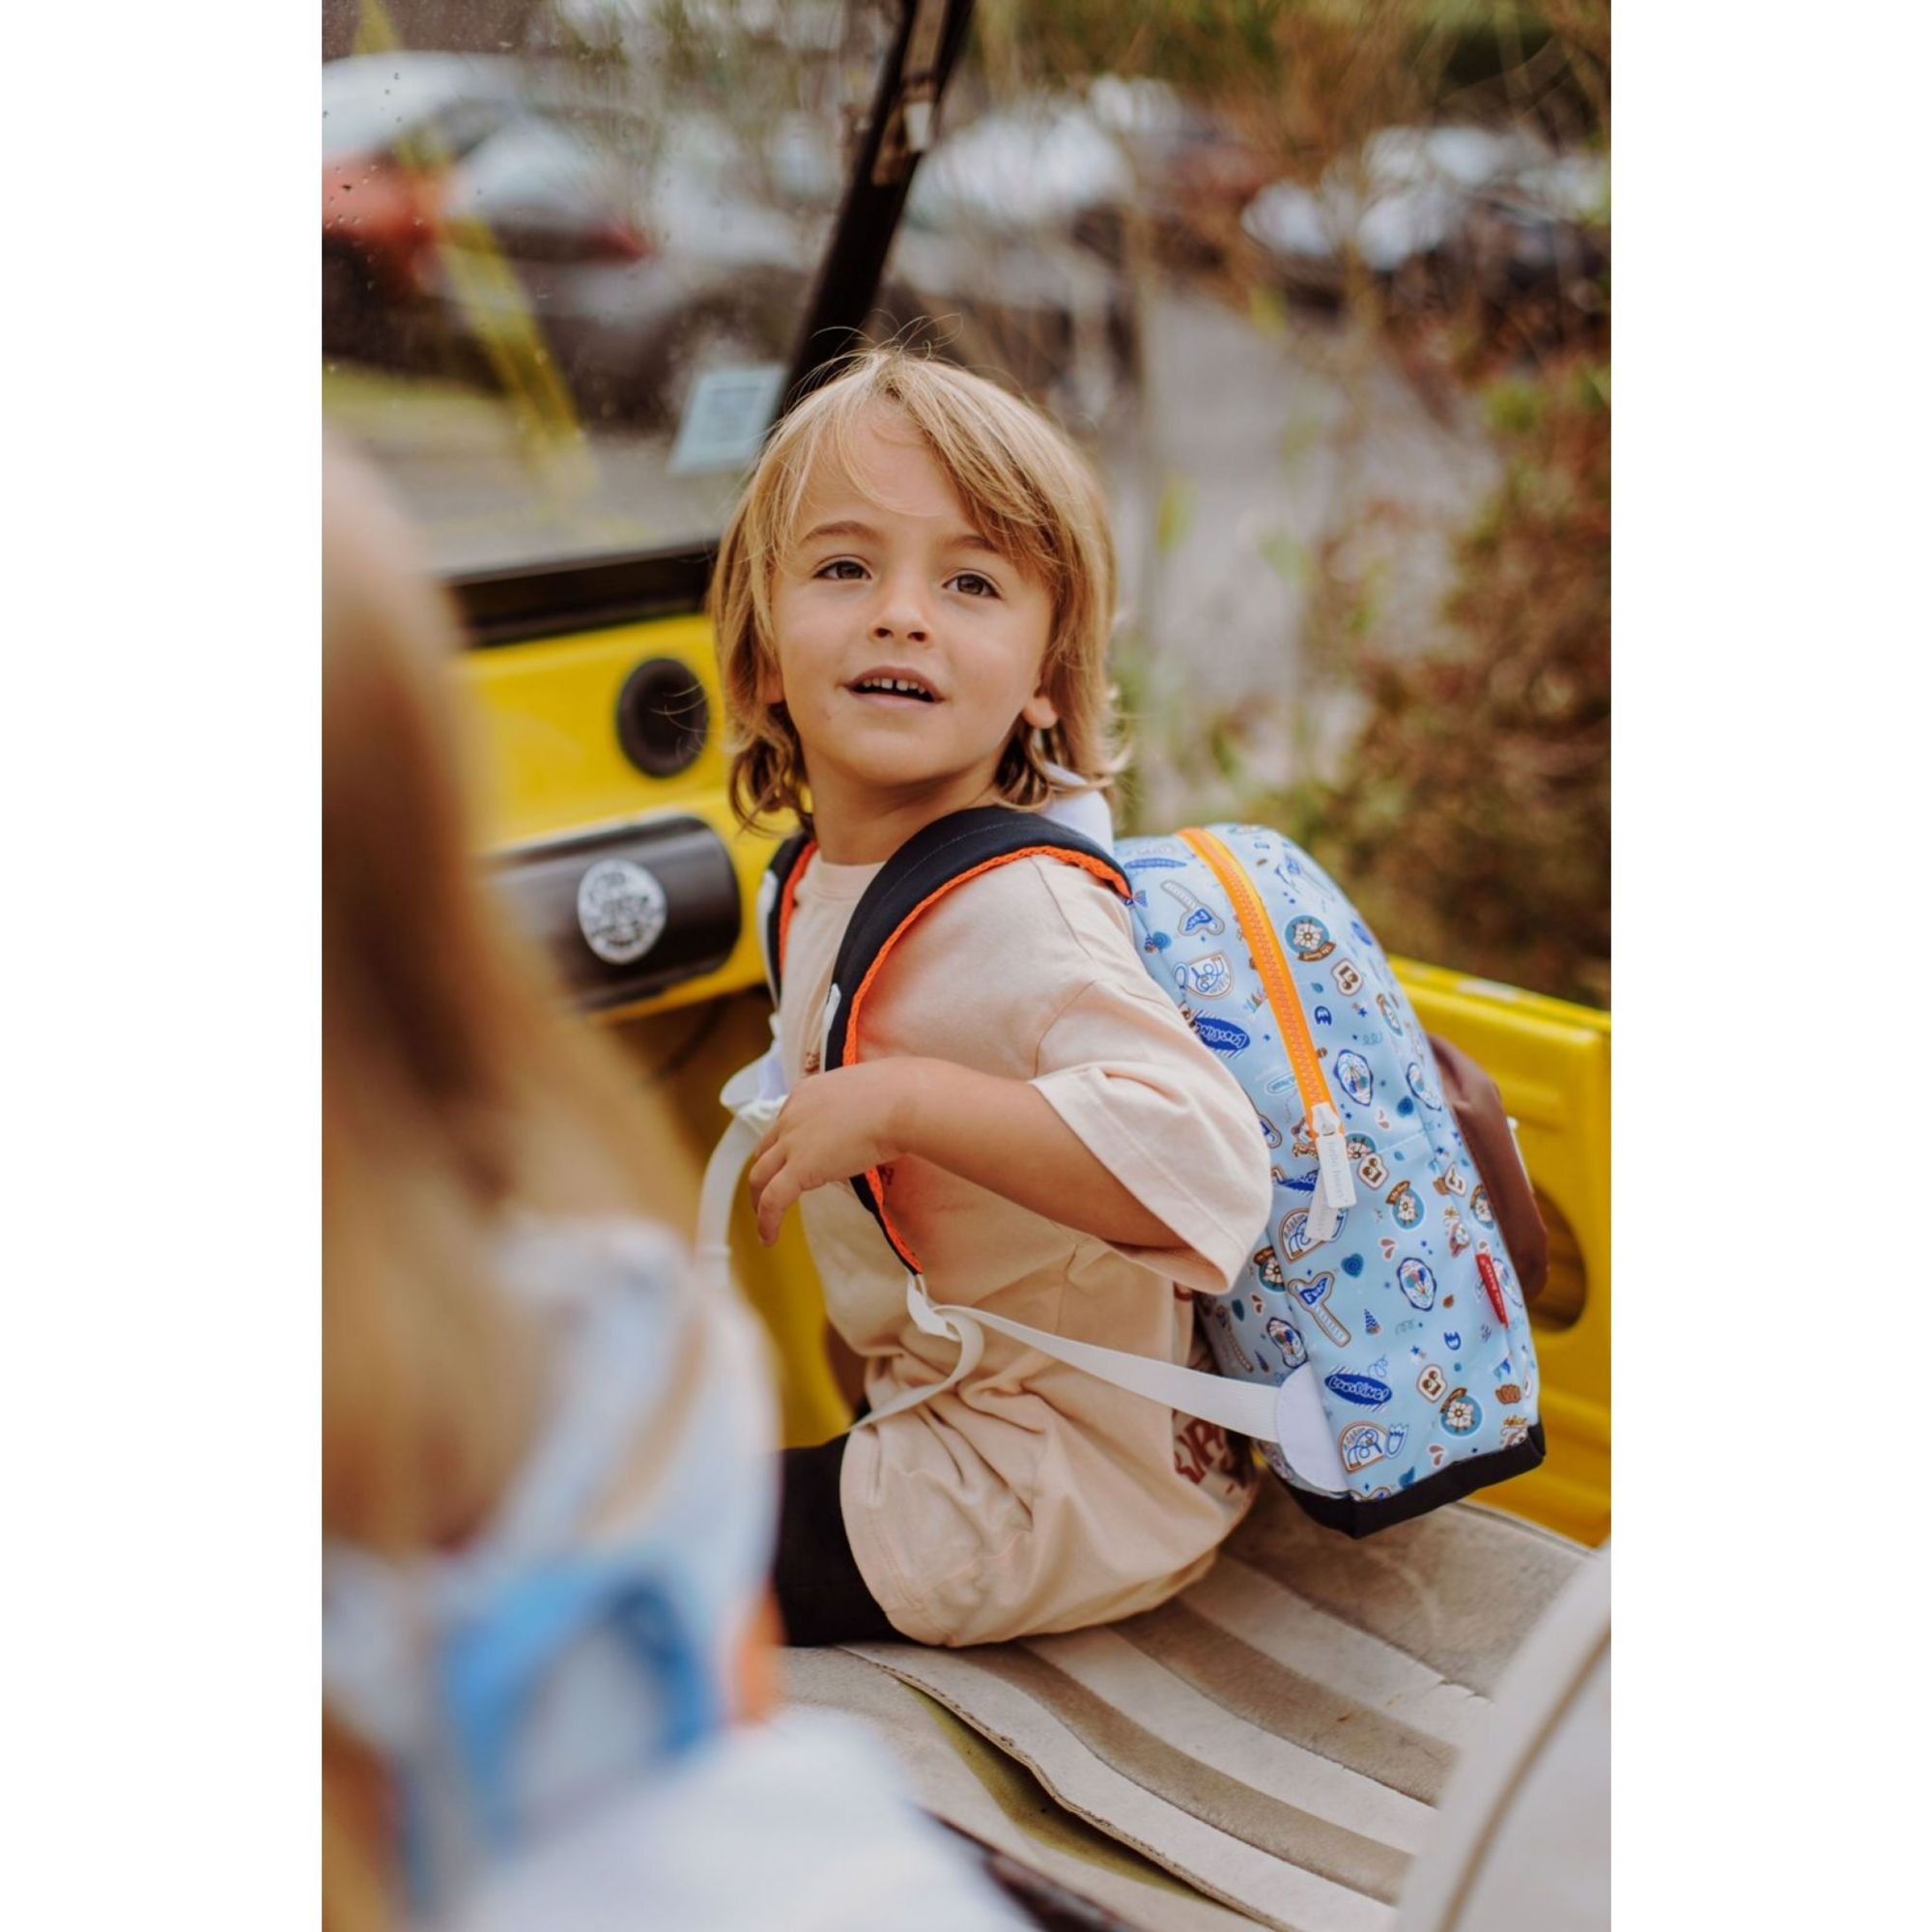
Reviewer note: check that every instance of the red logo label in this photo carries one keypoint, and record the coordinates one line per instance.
(1492, 1285)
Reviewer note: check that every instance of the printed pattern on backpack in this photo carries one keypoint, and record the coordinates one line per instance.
(1383, 1275)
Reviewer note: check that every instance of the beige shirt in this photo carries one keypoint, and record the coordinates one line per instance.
(1031, 1496)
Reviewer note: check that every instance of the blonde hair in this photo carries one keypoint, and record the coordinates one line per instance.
(456, 1092)
(1034, 498)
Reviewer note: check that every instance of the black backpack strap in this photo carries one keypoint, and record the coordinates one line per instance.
(927, 867)
(777, 891)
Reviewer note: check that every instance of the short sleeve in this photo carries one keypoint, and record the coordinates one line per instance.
(1122, 1067)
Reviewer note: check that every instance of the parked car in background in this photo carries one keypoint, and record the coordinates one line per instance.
(468, 199)
(502, 193)
(643, 251)
(1544, 232)
(1025, 217)
(997, 245)
(1433, 214)
(1192, 175)
(393, 127)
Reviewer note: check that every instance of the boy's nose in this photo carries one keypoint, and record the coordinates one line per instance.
(900, 610)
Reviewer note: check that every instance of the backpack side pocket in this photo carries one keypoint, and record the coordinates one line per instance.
(1477, 1105)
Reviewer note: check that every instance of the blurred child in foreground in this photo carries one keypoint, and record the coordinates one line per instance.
(547, 1470)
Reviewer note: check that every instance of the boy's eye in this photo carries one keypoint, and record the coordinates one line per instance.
(842, 569)
(974, 584)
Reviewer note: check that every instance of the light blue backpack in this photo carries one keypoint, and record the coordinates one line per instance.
(1380, 1300)
(1377, 1348)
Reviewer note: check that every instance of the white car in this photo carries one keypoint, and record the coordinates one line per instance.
(1466, 204)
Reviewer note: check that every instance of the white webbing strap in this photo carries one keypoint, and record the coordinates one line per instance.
(1246, 1408)
(754, 1093)
(968, 1335)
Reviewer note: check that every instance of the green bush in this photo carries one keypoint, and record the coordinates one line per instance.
(1470, 820)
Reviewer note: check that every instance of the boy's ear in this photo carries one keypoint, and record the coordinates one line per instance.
(1040, 712)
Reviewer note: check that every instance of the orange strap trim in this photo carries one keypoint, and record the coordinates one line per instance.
(788, 898)
(892, 1234)
(1100, 869)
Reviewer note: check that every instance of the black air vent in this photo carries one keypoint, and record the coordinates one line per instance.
(663, 716)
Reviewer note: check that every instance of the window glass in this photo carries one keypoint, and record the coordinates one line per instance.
(567, 249)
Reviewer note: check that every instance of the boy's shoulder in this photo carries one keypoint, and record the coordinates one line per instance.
(1007, 956)
(1039, 904)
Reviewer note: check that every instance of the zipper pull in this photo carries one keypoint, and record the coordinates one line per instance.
(1331, 1154)
(1334, 1180)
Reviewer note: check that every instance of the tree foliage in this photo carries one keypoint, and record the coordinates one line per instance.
(1472, 819)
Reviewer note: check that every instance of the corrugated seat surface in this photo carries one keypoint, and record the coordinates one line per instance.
(1277, 1737)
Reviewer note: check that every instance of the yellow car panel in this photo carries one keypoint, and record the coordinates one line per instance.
(553, 763)
(1552, 1060)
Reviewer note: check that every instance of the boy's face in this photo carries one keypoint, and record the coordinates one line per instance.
(889, 581)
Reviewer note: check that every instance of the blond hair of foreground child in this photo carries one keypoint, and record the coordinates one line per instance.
(455, 1094)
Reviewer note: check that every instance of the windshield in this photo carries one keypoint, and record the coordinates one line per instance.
(565, 261)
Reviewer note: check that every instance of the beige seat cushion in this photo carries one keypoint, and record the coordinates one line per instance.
(1276, 1738)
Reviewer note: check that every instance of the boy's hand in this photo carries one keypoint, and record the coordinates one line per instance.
(833, 1126)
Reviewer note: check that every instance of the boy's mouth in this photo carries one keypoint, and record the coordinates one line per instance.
(899, 686)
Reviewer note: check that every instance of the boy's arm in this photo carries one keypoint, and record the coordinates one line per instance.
(1003, 1135)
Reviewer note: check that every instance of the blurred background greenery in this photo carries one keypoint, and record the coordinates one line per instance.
(1323, 285)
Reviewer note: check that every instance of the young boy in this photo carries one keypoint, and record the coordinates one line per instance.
(913, 602)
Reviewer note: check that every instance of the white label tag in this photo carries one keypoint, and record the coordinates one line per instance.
(726, 417)
(1338, 1183)
(825, 1020)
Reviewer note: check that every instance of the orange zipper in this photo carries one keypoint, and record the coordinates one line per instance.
(1331, 1150)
